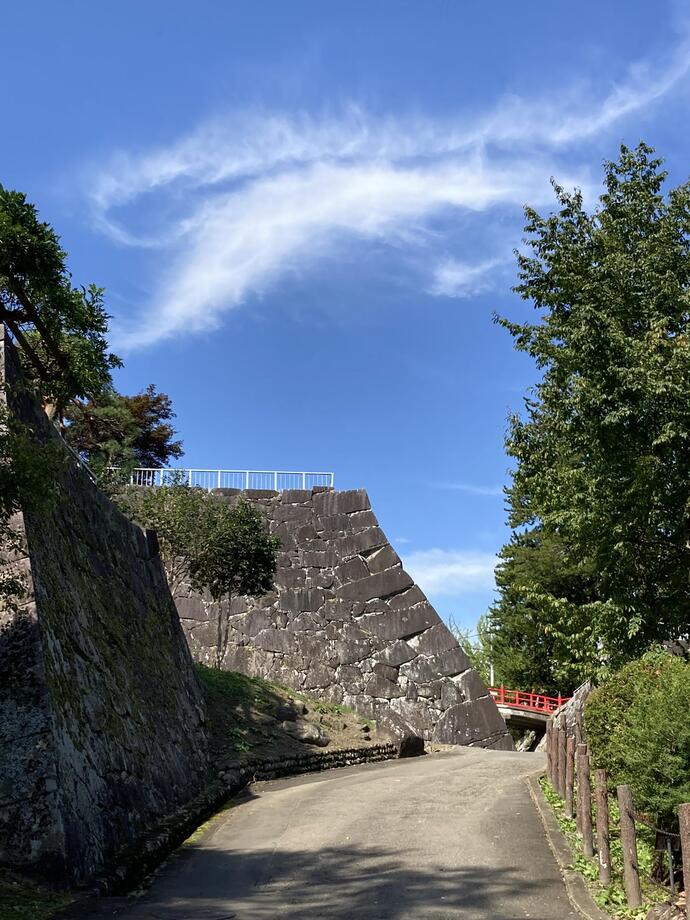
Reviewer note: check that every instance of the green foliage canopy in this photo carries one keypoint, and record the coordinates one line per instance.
(123, 432)
(600, 497)
(638, 729)
(59, 329)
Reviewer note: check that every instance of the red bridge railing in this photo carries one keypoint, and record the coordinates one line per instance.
(534, 702)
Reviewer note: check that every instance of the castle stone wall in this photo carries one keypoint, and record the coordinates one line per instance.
(347, 623)
(101, 715)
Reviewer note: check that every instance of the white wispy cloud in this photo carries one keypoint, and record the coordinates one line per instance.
(451, 572)
(469, 488)
(453, 278)
(232, 206)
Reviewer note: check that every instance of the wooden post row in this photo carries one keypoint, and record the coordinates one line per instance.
(684, 819)
(584, 799)
(631, 875)
(603, 848)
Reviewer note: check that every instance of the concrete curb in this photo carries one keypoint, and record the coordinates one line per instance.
(575, 886)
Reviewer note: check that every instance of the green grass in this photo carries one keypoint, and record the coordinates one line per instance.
(610, 898)
(321, 706)
(231, 686)
(21, 899)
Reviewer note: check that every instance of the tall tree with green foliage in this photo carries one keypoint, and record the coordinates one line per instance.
(602, 449)
(59, 329)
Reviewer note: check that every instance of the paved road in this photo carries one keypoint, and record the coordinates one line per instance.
(452, 835)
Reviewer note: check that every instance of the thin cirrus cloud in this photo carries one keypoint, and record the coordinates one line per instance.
(470, 489)
(453, 278)
(451, 572)
(237, 203)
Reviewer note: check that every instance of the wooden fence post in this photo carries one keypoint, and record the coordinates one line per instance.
(603, 848)
(584, 800)
(549, 752)
(579, 733)
(569, 777)
(555, 732)
(684, 819)
(631, 875)
(562, 741)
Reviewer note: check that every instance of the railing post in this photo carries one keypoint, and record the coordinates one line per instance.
(189, 478)
(275, 482)
(631, 875)
(569, 777)
(684, 820)
(502, 694)
(246, 480)
(219, 479)
(603, 848)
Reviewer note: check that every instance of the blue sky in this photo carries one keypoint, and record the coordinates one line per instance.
(304, 215)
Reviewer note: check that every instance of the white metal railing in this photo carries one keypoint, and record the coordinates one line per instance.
(277, 480)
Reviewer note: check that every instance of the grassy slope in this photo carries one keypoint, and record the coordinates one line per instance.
(242, 723)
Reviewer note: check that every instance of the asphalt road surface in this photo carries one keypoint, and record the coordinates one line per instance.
(451, 835)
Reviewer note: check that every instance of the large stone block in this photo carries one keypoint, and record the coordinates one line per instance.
(362, 542)
(382, 559)
(297, 600)
(398, 624)
(396, 653)
(341, 502)
(474, 721)
(383, 585)
(379, 686)
(434, 641)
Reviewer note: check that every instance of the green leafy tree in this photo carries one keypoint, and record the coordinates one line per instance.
(638, 731)
(222, 549)
(602, 458)
(123, 432)
(542, 637)
(60, 330)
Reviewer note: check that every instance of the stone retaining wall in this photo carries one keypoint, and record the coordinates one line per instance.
(101, 714)
(347, 623)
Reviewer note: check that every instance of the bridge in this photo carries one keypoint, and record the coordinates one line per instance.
(522, 709)
(274, 480)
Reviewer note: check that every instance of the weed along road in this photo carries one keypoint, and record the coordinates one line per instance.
(451, 835)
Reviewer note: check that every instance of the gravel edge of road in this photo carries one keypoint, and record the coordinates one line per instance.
(575, 886)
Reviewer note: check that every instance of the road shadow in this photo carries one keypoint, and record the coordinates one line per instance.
(336, 883)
